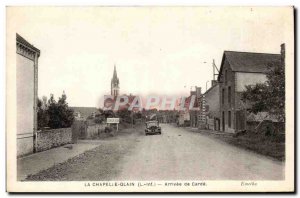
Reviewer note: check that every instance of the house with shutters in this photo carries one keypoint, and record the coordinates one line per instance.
(237, 70)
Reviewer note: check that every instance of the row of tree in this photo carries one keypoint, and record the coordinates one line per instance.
(54, 114)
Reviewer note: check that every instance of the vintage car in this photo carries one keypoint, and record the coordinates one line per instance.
(152, 127)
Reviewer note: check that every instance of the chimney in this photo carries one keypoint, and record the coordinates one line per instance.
(213, 82)
(193, 93)
(198, 92)
(282, 52)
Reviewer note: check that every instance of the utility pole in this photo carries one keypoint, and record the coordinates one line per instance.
(206, 84)
(215, 68)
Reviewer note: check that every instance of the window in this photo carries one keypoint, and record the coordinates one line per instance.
(223, 121)
(229, 118)
(223, 94)
(229, 96)
(226, 77)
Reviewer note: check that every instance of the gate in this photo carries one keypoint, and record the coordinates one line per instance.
(79, 130)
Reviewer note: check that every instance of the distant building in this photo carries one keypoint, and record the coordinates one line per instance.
(183, 118)
(195, 114)
(27, 90)
(82, 113)
(191, 114)
(77, 115)
(239, 69)
(115, 84)
(167, 116)
(212, 106)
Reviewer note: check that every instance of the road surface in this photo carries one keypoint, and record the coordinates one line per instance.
(178, 154)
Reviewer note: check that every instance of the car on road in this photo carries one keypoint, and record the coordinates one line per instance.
(152, 127)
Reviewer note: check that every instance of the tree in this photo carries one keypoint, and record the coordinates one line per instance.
(255, 96)
(268, 96)
(125, 115)
(138, 115)
(109, 114)
(276, 87)
(99, 118)
(60, 116)
(42, 115)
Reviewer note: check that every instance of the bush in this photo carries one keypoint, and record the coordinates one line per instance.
(99, 118)
(108, 129)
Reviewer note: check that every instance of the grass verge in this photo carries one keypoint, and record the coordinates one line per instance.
(272, 146)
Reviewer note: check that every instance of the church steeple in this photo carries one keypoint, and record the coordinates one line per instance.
(115, 83)
(115, 73)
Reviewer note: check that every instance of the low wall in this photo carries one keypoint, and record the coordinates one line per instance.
(47, 139)
(94, 130)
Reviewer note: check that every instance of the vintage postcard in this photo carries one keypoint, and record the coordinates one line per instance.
(150, 99)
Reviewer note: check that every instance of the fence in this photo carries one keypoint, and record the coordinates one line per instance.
(81, 129)
(94, 130)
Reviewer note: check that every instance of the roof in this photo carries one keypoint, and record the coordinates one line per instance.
(85, 111)
(115, 78)
(20, 39)
(249, 61)
(188, 101)
(211, 88)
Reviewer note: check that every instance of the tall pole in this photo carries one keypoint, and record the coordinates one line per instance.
(206, 84)
(213, 69)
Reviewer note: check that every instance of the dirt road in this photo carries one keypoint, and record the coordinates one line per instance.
(178, 154)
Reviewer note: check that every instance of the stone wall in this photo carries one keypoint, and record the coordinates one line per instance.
(227, 98)
(47, 139)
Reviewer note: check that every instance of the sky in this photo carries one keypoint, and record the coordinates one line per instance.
(156, 50)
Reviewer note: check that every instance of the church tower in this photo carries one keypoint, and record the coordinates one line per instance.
(115, 84)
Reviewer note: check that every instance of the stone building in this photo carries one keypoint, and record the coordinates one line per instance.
(115, 84)
(183, 118)
(212, 106)
(27, 89)
(195, 114)
(239, 69)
